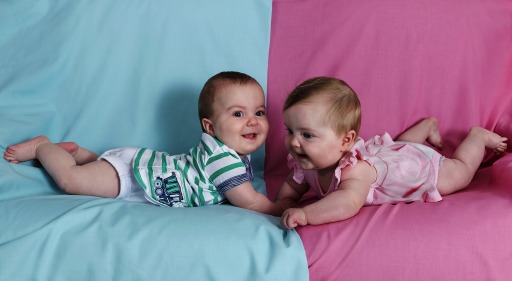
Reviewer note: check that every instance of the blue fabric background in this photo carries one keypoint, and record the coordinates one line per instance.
(121, 73)
(127, 73)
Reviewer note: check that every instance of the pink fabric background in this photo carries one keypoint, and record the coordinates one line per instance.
(406, 60)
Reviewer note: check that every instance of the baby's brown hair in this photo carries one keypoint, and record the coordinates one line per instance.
(344, 113)
(212, 86)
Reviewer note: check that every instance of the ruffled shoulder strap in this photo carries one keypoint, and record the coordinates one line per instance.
(385, 140)
(298, 173)
(357, 152)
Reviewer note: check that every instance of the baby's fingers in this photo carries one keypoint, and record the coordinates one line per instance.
(288, 221)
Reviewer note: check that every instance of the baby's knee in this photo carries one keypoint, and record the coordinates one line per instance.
(65, 184)
(477, 130)
(453, 176)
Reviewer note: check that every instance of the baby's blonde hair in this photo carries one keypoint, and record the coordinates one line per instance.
(344, 108)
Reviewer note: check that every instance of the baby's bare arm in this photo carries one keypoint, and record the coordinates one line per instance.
(290, 193)
(244, 196)
(341, 204)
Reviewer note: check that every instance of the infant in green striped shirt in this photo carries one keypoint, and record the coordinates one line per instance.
(232, 113)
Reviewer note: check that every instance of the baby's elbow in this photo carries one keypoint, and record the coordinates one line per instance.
(350, 210)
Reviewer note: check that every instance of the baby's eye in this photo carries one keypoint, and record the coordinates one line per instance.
(260, 113)
(238, 114)
(289, 131)
(307, 135)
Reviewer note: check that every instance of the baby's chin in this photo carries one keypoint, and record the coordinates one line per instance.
(245, 151)
(305, 165)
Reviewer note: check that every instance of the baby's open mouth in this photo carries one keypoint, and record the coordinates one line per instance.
(250, 136)
(300, 155)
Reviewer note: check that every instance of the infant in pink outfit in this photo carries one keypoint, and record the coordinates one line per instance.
(323, 118)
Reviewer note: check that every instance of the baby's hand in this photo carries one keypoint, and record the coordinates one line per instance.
(293, 217)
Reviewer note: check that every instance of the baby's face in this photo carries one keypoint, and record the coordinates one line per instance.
(310, 139)
(239, 119)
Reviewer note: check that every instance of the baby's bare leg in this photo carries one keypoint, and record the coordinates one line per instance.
(17, 153)
(81, 155)
(96, 178)
(426, 130)
(457, 173)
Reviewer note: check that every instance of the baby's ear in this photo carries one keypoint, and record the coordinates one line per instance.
(208, 126)
(347, 140)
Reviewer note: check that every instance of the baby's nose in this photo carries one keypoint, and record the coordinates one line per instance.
(252, 122)
(294, 141)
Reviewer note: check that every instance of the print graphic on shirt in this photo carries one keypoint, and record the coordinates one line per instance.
(168, 189)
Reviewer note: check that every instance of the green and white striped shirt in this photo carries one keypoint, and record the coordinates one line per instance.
(195, 179)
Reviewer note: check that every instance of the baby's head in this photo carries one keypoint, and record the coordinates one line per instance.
(322, 117)
(342, 106)
(232, 109)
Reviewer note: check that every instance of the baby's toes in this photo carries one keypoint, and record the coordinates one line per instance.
(8, 156)
(440, 145)
(502, 147)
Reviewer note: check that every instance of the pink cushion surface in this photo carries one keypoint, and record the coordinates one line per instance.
(406, 60)
(464, 237)
(501, 172)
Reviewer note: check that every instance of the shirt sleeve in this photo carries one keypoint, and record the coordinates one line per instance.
(225, 169)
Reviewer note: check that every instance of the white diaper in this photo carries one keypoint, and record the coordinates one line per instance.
(121, 159)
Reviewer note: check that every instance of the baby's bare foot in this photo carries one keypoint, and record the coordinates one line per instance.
(504, 127)
(502, 145)
(434, 137)
(24, 151)
(493, 141)
(70, 147)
